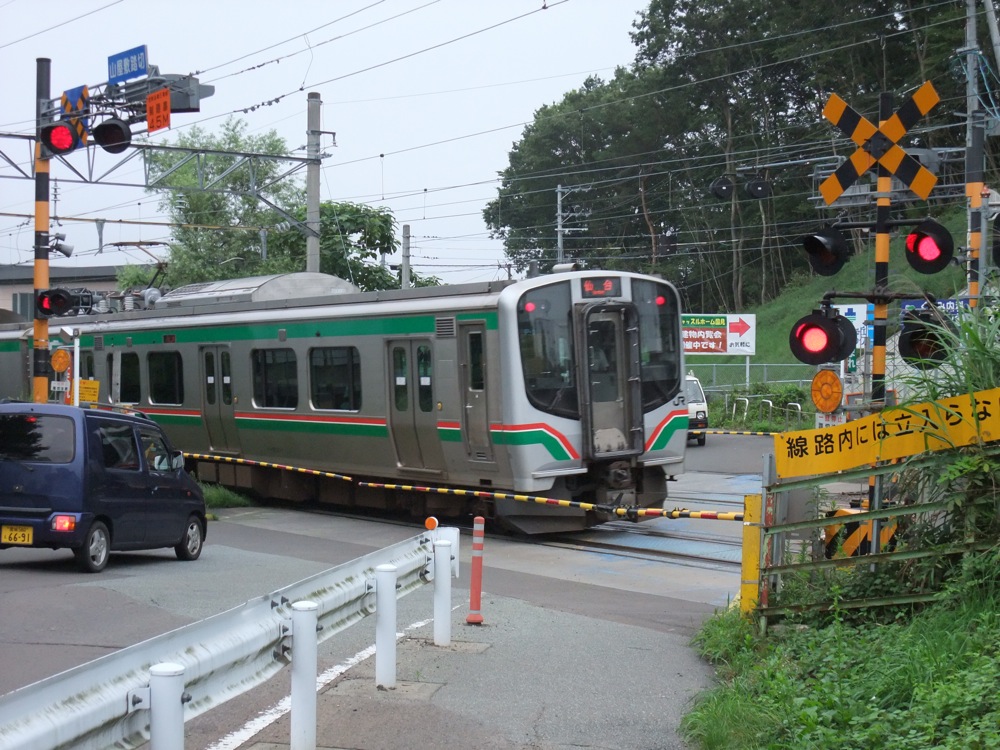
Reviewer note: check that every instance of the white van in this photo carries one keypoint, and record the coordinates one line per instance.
(697, 407)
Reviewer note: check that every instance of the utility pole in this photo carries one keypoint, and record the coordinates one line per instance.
(560, 230)
(405, 277)
(559, 224)
(41, 367)
(312, 182)
(974, 136)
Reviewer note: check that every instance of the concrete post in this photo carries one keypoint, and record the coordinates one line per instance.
(166, 712)
(305, 663)
(385, 626)
(442, 593)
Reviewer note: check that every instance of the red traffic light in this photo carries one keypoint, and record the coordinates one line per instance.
(51, 302)
(828, 250)
(58, 138)
(929, 247)
(113, 135)
(818, 338)
(923, 340)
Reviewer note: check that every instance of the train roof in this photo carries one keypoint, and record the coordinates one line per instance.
(283, 286)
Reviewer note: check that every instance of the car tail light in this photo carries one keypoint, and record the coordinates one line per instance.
(64, 523)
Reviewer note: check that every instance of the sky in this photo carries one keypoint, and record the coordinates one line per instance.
(426, 98)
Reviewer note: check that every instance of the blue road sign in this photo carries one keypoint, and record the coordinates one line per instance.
(128, 64)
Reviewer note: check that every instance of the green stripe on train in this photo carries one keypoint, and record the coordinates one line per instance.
(392, 326)
(314, 428)
(532, 437)
(675, 425)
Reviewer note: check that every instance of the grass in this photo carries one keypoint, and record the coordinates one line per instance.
(928, 681)
(217, 496)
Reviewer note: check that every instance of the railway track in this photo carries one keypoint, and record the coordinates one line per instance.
(660, 540)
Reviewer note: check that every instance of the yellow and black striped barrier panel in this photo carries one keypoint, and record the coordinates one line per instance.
(854, 538)
(730, 432)
(266, 464)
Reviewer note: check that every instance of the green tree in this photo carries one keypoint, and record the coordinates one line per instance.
(224, 230)
(731, 89)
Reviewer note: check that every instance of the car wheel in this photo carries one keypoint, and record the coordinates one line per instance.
(191, 544)
(92, 557)
(701, 440)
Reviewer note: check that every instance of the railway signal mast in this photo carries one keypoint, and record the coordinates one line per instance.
(134, 92)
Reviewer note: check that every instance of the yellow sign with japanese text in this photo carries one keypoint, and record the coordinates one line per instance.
(891, 434)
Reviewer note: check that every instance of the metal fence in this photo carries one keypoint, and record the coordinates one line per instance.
(101, 704)
(717, 377)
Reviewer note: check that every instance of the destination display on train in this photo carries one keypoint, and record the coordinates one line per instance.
(601, 286)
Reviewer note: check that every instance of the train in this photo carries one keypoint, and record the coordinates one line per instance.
(527, 401)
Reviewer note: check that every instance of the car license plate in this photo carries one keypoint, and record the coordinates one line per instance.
(16, 535)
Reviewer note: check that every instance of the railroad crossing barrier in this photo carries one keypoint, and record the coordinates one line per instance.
(148, 690)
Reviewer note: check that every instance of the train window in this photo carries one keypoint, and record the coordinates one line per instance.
(275, 380)
(335, 377)
(545, 330)
(166, 378)
(130, 391)
(88, 370)
(399, 377)
(425, 392)
(659, 341)
(227, 377)
(210, 378)
(477, 380)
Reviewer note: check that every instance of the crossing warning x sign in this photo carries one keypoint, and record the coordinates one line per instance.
(878, 145)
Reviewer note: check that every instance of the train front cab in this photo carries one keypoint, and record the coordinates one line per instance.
(591, 413)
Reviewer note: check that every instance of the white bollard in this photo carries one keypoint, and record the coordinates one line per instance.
(385, 626)
(442, 593)
(166, 712)
(305, 664)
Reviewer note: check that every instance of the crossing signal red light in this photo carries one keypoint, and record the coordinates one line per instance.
(113, 135)
(58, 138)
(923, 340)
(828, 250)
(929, 247)
(819, 338)
(51, 302)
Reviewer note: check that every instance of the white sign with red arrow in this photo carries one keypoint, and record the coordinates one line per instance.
(720, 334)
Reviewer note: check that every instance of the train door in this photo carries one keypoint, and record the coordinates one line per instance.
(611, 403)
(412, 413)
(217, 399)
(475, 413)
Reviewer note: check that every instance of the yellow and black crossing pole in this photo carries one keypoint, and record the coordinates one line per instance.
(41, 367)
(879, 146)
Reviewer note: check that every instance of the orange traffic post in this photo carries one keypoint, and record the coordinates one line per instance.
(476, 581)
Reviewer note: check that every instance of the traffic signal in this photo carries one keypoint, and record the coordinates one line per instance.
(827, 249)
(52, 302)
(929, 247)
(58, 138)
(113, 135)
(923, 340)
(821, 337)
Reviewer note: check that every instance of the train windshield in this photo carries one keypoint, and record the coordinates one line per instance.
(545, 329)
(660, 346)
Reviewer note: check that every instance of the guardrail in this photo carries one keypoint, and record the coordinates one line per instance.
(100, 704)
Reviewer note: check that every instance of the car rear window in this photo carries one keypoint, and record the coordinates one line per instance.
(44, 438)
